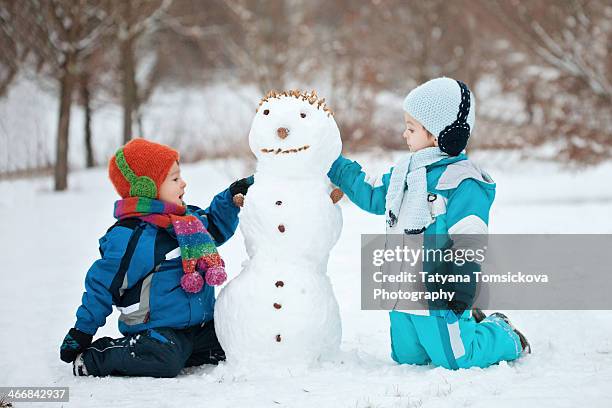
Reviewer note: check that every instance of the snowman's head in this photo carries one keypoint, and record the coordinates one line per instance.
(294, 132)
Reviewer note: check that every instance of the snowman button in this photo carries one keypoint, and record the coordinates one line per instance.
(277, 306)
(279, 284)
(279, 202)
(278, 338)
(281, 228)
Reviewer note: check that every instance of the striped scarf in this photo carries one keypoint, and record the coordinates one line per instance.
(198, 250)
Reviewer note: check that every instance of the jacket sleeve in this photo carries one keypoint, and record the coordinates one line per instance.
(468, 208)
(126, 259)
(220, 218)
(350, 178)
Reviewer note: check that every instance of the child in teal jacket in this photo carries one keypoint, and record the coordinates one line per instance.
(436, 191)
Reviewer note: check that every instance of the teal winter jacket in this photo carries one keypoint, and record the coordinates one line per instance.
(459, 195)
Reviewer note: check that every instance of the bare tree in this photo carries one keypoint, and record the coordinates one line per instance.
(59, 34)
(90, 83)
(133, 20)
(270, 42)
(566, 77)
(9, 54)
(390, 47)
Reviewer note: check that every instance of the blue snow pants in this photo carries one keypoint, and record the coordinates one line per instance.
(420, 340)
(161, 352)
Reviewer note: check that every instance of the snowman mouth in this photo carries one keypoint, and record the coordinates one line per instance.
(285, 151)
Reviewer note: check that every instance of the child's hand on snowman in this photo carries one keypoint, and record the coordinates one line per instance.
(336, 195)
(239, 188)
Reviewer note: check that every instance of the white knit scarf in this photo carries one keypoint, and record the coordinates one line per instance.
(408, 188)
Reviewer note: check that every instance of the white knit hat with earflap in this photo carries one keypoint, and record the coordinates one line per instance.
(443, 107)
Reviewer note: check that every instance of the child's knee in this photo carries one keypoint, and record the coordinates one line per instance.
(164, 349)
(403, 357)
(154, 353)
(169, 368)
(405, 345)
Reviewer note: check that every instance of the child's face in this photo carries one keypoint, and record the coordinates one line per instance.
(173, 187)
(417, 137)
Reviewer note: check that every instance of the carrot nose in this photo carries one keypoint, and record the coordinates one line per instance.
(282, 132)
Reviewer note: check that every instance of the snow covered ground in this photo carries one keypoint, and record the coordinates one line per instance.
(49, 240)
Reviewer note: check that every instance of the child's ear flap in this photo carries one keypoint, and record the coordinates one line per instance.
(144, 187)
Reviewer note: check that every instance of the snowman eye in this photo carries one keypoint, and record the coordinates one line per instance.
(266, 112)
(303, 115)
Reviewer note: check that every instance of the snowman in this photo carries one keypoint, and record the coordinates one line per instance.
(281, 309)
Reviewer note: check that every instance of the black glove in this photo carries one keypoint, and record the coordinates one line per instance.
(465, 292)
(241, 186)
(74, 343)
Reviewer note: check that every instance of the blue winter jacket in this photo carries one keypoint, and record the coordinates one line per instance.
(140, 270)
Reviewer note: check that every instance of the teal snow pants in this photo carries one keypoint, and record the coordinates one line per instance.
(417, 339)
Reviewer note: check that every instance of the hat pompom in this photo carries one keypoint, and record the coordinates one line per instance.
(192, 282)
(216, 275)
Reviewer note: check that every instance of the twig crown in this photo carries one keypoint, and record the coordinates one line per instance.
(310, 97)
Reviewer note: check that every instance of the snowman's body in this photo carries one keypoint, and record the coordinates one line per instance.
(281, 309)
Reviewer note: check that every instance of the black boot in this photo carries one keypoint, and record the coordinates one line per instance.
(524, 343)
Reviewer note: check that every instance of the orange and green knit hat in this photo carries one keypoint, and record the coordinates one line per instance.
(140, 167)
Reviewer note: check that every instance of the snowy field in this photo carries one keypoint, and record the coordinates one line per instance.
(49, 240)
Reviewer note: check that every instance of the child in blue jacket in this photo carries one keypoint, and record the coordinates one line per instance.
(158, 266)
(436, 191)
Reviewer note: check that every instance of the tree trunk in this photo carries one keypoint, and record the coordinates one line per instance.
(129, 87)
(128, 75)
(85, 95)
(139, 122)
(61, 157)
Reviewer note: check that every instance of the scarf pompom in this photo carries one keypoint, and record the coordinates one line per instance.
(192, 282)
(216, 275)
(213, 268)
